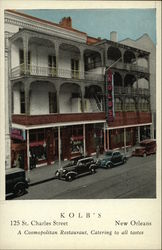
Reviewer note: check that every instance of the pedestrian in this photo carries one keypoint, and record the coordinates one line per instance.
(97, 151)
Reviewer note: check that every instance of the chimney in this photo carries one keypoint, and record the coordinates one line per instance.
(113, 36)
(66, 22)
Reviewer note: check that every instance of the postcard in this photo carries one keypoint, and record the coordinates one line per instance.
(80, 125)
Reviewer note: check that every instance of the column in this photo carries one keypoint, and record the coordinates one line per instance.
(59, 147)
(152, 127)
(82, 101)
(81, 63)
(122, 54)
(57, 97)
(108, 141)
(27, 97)
(102, 62)
(28, 155)
(8, 108)
(125, 141)
(138, 134)
(25, 48)
(57, 45)
(106, 55)
(84, 140)
(104, 136)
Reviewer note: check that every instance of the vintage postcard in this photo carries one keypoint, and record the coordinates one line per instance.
(80, 125)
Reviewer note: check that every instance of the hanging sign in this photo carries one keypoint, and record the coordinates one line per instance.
(109, 96)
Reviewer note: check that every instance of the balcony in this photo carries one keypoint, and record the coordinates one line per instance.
(131, 91)
(129, 66)
(130, 118)
(56, 118)
(34, 70)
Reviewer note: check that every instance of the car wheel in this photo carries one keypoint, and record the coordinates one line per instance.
(19, 189)
(93, 171)
(69, 177)
(108, 165)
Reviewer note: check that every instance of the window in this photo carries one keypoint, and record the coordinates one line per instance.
(32, 137)
(75, 68)
(130, 104)
(52, 102)
(143, 105)
(92, 62)
(52, 65)
(118, 104)
(22, 102)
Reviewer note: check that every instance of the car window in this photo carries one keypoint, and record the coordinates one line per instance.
(108, 153)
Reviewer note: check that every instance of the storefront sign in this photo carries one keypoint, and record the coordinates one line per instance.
(109, 96)
(18, 134)
(75, 138)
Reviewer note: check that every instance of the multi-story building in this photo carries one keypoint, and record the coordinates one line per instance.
(145, 42)
(55, 88)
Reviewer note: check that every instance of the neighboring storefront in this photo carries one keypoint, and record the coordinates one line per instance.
(18, 148)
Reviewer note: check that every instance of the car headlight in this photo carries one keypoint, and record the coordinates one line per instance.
(57, 173)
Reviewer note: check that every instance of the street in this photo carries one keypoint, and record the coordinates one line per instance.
(135, 179)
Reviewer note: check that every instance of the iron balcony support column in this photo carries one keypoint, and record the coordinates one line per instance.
(125, 140)
(27, 97)
(25, 48)
(84, 140)
(28, 155)
(57, 45)
(81, 64)
(59, 146)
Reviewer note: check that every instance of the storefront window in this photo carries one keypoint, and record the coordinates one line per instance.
(32, 137)
(76, 146)
(40, 136)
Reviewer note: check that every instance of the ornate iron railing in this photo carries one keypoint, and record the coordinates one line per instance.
(132, 91)
(35, 70)
(128, 66)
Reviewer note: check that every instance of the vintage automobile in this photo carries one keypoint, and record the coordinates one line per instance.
(15, 181)
(111, 159)
(76, 168)
(146, 147)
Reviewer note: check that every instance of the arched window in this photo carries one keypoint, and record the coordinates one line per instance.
(130, 104)
(118, 104)
(144, 105)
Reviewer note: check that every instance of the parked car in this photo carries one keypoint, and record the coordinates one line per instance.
(16, 181)
(111, 159)
(76, 168)
(146, 147)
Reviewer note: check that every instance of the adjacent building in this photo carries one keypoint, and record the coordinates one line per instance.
(59, 101)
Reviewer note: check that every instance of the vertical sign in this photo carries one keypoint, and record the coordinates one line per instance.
(109, 96)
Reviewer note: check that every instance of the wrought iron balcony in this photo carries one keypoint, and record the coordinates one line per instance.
(129, 66)
(34, 70)
(118, 90)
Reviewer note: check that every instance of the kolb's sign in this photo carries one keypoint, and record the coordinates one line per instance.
(109, 96)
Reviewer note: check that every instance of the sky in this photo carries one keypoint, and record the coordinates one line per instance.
(128, 23)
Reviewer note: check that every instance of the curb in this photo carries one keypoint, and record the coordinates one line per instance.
(42, 181)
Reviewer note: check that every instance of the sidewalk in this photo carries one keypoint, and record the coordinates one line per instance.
(46, 173)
